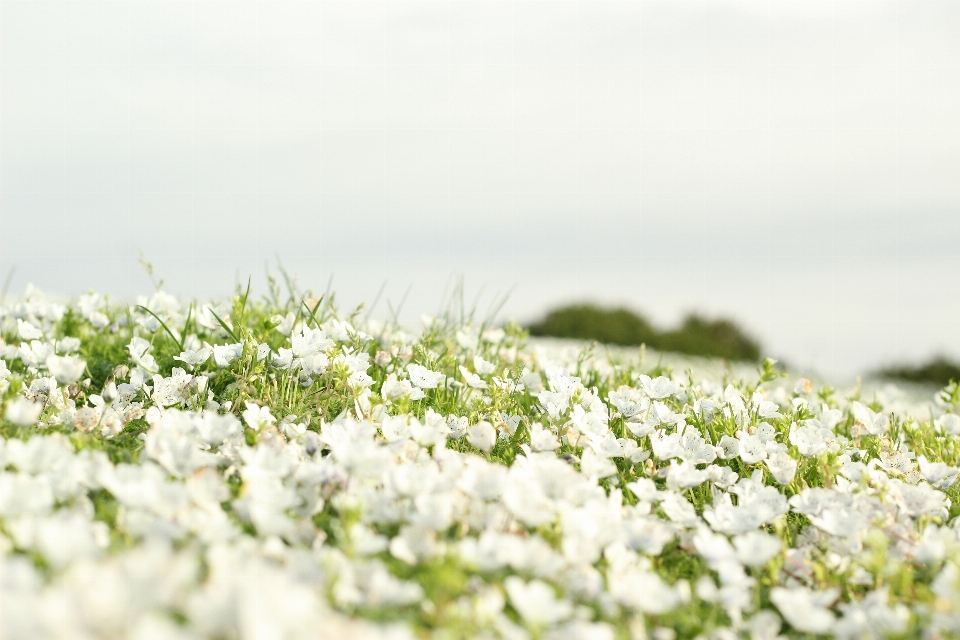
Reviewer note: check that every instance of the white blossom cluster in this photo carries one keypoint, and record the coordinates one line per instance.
(269, 470)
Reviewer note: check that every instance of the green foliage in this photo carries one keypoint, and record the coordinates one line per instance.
(458, 590)
(712, 338)
(587, 322)
(696, 336)
(939, 370)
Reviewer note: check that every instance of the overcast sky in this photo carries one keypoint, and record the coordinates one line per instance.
(793, 165)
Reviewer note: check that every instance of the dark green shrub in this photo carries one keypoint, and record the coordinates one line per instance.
(587, 322)
(716, 338)
(696, 336)
(939, 370)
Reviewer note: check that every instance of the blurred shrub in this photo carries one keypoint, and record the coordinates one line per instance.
(939, 371)
(587, 322)
(696, 336)
(716, 338)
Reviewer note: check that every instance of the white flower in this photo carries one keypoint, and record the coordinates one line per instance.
(684, 476)
(782, 467)
(224, 354)
(66, 369)
(172, 390)
(827, 419)
(482, 480)
(312, 365)
(643, 590)
(457, 426)
(482, 435)
(872, 423)
(472, 379)
(723, 477)
(293, 431)
(536, 601)
(765, 408)
(765, 624)
(595, 465)
(172, 442)
(757, 505)
(728, 448)
(90, 306)
(309, 342)
(257, 417)
(339, 329)
(949, 424)
(687, 443)
(755, 548)
(806, 610)
(395, 428)
(424, 378)
(589, 422)
(192, 358)
(752, 450)
(766, 432)
(919, 499)
(542, 439)
(872, 617)
(606, 445)
(23, 412)
(811, 441)
(628, 401)
(394, 389)
(531, 381)
(632, 450)
(138, 349)
(414, 544)
(69, 344)
(666, 446)
(34, 353)
(939, 474)
(664, 414)
(678, 508)
(283, 359)
(482, 367)
(694, 448)
(468, 338)
(660, 387)
(27, 331)
(359, 380)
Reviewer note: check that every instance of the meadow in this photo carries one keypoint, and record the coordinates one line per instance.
(281, 468)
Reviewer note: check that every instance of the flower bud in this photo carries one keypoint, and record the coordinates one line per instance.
(109, 393)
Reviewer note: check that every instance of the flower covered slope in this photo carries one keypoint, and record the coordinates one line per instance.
(276, 470)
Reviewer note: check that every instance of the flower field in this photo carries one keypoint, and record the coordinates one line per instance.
(277, 468)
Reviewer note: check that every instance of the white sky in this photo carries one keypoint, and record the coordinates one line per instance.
(793, 165)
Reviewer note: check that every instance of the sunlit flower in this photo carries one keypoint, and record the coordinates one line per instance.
(536, 601)
(224, 354)
(424, 378)
(257, 417)
(482, 435)
(472, 379)
(193, 358)
(65, 369)
(806, 610)
(23, 412)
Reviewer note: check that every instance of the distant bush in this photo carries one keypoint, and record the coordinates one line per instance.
(717, 338)
(696, 336)
(587, 322)
(939, 370)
